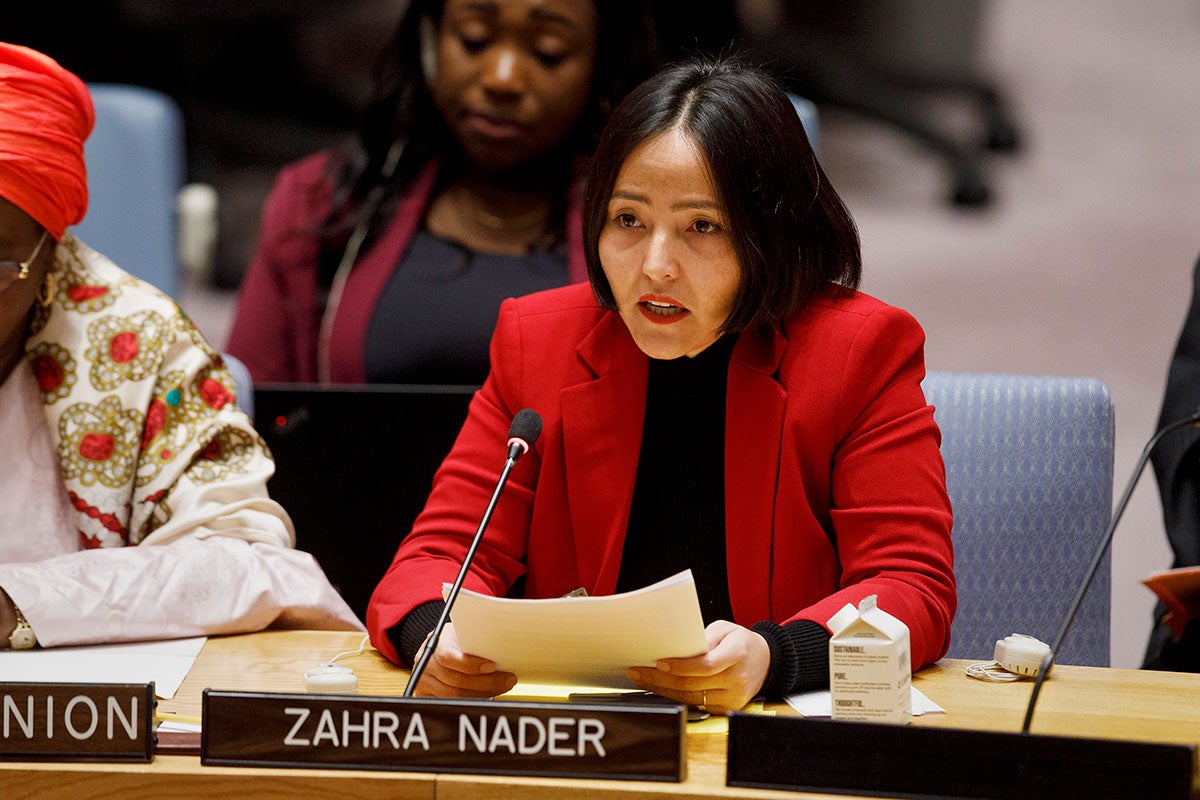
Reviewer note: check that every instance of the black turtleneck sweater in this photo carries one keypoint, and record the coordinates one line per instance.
(677, 515)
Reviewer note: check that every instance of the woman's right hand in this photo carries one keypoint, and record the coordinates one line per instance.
(453, 673)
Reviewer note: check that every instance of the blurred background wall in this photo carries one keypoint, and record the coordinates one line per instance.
(1076, 261)
(1082, 264)
(259, 83)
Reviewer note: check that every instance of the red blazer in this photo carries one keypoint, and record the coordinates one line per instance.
(277, 323)
(834, 483)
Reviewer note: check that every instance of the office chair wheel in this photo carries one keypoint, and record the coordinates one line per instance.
(970, 191)
(1002, 136)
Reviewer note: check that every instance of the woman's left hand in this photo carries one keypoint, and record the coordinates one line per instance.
(724, 679)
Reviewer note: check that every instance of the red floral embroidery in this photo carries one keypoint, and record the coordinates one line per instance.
(109, 521)
(81, 293)
(214, 393)
(96, 447)
(156, 417)
(49, 373)
(124, 347)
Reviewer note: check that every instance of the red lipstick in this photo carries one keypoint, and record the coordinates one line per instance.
(661, 310)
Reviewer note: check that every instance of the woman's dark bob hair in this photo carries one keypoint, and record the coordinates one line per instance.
(791, 233)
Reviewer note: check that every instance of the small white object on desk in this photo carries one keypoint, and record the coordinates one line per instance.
(331, 679)
(870, 671)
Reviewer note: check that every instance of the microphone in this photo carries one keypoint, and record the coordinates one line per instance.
(1090, 573)
(522, 434)
(525, 430)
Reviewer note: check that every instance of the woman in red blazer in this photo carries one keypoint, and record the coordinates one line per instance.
(720, 398)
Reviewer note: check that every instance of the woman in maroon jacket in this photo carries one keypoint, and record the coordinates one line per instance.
(385, 262)
(720, 398)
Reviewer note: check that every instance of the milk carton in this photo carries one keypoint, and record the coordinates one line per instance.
(870, 673)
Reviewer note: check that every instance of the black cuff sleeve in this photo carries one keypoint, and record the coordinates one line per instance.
(799, 657)
(408, 636)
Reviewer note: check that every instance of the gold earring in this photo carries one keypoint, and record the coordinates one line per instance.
(46, 293)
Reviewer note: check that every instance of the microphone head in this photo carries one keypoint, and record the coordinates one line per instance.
(526, 426)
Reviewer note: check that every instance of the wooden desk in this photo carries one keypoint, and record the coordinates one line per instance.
(1076, 701)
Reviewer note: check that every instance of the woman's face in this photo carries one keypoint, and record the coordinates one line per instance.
(19, 236)
(513, 76)
(666, 249)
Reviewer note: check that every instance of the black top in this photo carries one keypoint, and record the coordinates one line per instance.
(435, 317)
(677, 515)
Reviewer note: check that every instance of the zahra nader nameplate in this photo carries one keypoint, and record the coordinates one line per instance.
(566, 740)
(77, 721)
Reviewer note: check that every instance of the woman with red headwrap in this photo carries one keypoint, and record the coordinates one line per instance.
(120, 426)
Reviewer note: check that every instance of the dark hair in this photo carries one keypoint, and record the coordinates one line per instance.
(791, 232)
(402, 108)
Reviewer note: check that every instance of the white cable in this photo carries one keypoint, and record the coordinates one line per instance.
(361, 646)
(991, 671)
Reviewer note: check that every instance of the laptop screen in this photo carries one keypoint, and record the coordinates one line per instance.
(354, 466)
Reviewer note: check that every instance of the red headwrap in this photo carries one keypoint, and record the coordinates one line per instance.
(45, 115)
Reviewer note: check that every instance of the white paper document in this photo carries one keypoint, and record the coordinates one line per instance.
(820, 703)
(583, 640)
(166, 663)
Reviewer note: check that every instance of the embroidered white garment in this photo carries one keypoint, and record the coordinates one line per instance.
(160, 479)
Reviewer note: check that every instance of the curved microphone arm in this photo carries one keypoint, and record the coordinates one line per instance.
(524, 432)
(432, 642)
(1077, 601)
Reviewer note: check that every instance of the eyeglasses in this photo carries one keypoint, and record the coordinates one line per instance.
(13, 271)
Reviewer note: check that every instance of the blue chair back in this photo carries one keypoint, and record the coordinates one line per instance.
(807, 111)
(243, 384)
(1029, 468)
(135, 163)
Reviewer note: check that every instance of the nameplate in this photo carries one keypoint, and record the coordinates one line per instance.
(862, 758)
(77, 721)
(564, 740)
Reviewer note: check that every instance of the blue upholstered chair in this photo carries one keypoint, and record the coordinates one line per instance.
(1029, 467)
(243, 384)
(135, 162)
(808, 118)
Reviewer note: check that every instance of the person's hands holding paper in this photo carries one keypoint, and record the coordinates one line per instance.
(453, 673)
(724, 679)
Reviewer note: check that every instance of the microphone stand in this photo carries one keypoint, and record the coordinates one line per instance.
(1077, 601)
(517, 446)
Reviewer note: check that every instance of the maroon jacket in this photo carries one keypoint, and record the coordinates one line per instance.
(275, 329)
(834, 483)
